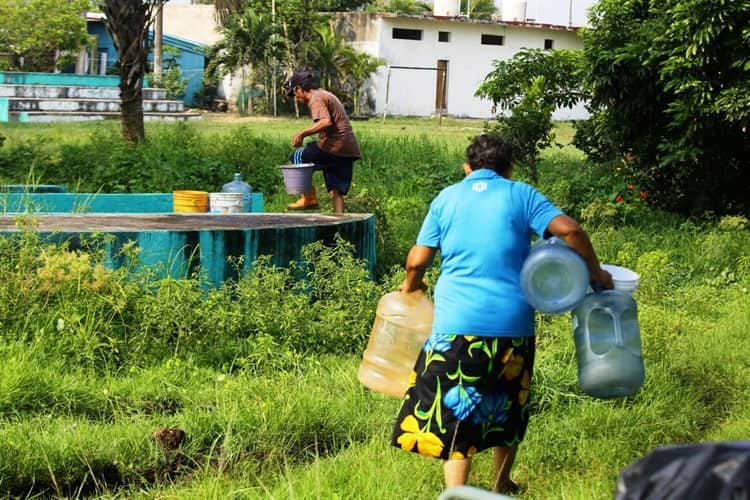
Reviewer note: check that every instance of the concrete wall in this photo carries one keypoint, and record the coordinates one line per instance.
(59, 79)
(193, 22)
(413, 91)
(197, 23)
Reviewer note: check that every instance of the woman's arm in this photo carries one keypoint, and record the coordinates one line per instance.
(567, 229)
(417, 262)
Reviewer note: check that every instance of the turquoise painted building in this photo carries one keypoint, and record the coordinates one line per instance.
(191, 57)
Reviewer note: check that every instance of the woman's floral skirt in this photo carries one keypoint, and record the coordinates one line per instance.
(467, 393)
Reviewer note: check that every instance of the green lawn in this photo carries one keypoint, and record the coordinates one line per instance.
(261, 374)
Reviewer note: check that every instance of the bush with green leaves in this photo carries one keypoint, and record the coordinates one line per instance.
(176, 157)
(669, 92)
(530, 85)
(171, 78)
(75, 308)
(42, 35)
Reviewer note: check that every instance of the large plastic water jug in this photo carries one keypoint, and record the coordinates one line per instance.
(402, 324)
(608, 345)
(554, 277)
(238, 186)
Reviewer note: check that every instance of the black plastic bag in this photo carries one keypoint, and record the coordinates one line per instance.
(712, 471)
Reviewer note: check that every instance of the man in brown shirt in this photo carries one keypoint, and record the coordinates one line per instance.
(336, 148)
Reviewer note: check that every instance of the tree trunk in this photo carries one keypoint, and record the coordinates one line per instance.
(128, 22)
(131, 110)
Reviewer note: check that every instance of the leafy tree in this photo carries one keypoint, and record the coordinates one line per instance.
(172, 78)
(128, 23)
(42, 35)
(531, 85)
(413, 7)
(479, 9)
(295, 37)
(362, 67)
(225, 9)
(249, 40)
(329, 55)
(670, 84)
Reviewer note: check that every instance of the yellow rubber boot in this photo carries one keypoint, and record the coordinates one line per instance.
(307, 200)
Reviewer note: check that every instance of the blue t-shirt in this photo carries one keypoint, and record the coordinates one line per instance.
(482, 227)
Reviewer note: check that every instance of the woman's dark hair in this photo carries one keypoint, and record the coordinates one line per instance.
(489, 151)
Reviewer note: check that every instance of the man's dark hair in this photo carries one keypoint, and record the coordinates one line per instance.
(489, 151)
(302, 79)
(310, 82)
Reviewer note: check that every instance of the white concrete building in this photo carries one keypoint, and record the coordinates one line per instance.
(558, 12)
(418, 48)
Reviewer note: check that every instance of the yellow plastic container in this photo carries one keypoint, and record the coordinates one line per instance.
(402, 324)
(190, 201)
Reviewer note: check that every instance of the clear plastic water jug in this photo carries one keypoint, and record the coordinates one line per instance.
(238, 186)
(608, 345)
(554, 277)
(402, 324)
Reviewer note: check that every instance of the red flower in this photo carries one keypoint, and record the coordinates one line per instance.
(619, 199)
(630, 187)
(643, 195)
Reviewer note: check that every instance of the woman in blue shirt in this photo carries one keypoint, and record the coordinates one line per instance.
(471, 383)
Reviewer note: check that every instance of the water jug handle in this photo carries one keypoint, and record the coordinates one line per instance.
(615, 325)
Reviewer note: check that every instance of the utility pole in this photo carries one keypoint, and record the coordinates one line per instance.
(158, 45)
(570, 14)
(273, 60)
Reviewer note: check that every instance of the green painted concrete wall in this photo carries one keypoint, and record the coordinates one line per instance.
(210, 252)
(60, 79)
(125, 203)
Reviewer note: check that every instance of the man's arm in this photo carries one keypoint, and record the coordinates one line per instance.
(316, 127)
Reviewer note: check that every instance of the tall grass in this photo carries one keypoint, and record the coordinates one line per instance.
(261, 373)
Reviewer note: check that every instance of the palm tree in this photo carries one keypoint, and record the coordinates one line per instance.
(343, 70)
(362, 67)
(249, 39)
(329, 54)
(128, 23)
(225, 9)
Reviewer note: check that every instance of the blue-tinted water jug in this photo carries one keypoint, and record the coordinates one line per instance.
(554, 277)
(608, 345)
(238, 186)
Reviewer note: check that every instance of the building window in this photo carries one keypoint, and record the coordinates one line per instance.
(444, 36)
(493, 40)
(405, 34)
(548, 43)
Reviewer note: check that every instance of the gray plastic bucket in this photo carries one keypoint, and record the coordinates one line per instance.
(298, 178)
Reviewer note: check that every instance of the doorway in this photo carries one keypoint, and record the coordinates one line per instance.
(441, 102)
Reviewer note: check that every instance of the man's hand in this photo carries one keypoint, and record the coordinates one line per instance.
(297, 140)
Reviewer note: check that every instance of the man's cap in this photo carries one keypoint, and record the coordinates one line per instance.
(298, 79)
